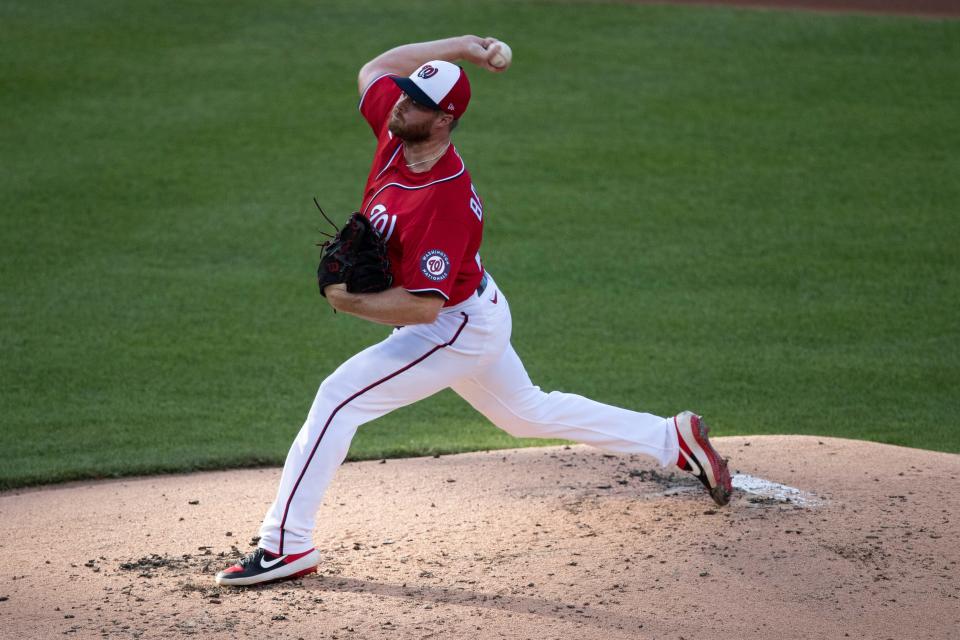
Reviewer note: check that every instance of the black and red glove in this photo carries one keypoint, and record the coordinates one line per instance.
(357, 257)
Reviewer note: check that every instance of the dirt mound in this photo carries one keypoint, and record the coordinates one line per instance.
(826, 539)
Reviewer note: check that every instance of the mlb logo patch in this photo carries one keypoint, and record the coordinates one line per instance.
(435, 265)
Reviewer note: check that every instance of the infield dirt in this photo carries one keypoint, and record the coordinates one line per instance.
(559, 542)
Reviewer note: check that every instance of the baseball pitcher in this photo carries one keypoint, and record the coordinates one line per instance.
(413, 263)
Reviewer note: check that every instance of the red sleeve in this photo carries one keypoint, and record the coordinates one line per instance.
(377, 101)
(433, 260)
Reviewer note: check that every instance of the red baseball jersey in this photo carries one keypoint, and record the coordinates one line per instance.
(432, 221)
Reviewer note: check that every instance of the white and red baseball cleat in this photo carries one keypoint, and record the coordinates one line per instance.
(698, 457)
(262, 566)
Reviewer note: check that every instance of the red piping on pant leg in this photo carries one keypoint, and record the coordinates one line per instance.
(333, 413)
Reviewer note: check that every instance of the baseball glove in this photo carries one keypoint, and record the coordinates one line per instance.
(356, 256)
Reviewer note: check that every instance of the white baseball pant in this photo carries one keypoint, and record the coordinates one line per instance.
(468, 349)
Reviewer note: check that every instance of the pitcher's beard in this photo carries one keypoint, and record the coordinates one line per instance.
(410, 133)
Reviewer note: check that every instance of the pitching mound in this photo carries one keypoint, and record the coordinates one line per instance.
(827, 538)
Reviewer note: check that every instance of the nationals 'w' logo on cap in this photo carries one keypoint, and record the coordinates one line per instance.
(427, 71)
(436, 83)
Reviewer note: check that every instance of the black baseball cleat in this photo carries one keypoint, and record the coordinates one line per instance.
(698, 457)
(262, 566)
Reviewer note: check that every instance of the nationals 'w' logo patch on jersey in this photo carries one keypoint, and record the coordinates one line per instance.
(435, 264)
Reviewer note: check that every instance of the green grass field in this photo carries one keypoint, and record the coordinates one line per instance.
(751, 214)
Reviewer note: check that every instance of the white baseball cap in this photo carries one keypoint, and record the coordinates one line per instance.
(439, 85)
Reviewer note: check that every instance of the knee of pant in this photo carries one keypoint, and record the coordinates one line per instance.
(333, 432)
(530, 404)
(333, 407)
(527, 419)
(337, 391)
(336, 382)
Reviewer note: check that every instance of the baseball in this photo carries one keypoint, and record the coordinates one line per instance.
(501, 59)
